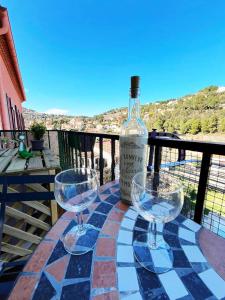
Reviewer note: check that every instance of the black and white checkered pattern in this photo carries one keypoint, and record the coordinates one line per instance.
(191, 277)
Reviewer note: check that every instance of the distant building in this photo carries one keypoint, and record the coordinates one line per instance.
(11, 86)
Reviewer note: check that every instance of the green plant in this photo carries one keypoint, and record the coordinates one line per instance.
(38, 130)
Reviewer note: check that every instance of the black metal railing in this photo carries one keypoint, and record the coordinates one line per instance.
(200, 166)
(83, 149)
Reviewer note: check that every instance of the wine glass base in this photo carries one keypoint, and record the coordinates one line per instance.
(155, 259)
(78, 242)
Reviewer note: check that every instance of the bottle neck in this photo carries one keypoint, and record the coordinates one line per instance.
(134, 108)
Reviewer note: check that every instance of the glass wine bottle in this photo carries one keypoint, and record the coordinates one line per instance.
(133, 143)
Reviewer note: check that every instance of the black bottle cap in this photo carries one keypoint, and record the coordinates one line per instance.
(135, 80)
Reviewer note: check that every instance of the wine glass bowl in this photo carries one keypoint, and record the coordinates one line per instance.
(158, 198)
(75, 190)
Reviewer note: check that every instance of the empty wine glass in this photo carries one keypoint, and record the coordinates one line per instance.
(158, 198)
(76, 190)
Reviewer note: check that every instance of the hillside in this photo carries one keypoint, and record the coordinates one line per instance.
(202, 112)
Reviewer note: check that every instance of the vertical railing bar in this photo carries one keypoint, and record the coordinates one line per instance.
(60, 146)
(67, 151)
(26, 138)
(72, 153)
(113, 159)
(64, 150)
(85, 150)
(76, 157)
(157, 158)
(80, 153)
(101, 163)
(202, 186)
(80, 158)
(49, 143)
(92, 159)
(151, 150)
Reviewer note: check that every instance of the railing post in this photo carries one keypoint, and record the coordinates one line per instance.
(113, 159)
(85, 151)
(49, 143)
(101, 162)
(151, 151)
(27, 138)
(157, 159)
(92, 159)
(202, 185)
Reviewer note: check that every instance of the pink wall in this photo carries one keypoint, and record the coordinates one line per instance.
(7, 87)
(10, 78)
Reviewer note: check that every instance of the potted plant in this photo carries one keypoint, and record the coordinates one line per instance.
(38, 130)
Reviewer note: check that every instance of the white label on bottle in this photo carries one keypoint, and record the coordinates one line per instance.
(132, 160)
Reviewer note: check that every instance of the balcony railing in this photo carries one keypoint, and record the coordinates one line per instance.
(200, 166)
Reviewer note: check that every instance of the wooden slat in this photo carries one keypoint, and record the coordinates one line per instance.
(35, 163)
(51, 161)
(10, 152)
(34, 204)
(38, 206)
(36, 187)
(4, 162)
(17, 214)
(16, 165)
(53, 203)
(2, 151)
(15, 249)
(32, 229)
(20, 234)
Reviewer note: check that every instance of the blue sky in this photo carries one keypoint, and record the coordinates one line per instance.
(78, 55)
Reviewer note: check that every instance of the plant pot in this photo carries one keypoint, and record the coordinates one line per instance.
(37, 145)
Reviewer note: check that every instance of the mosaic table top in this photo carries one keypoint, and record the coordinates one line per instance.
(110, 271)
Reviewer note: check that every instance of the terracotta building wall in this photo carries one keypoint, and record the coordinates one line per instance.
(7, 88)
(11, 86)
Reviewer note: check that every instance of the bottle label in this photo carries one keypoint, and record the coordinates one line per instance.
(132, 160)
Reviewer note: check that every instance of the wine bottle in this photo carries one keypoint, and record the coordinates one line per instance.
(133, 143)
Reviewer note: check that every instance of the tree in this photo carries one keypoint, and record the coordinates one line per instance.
(211, 88)
(213, 124)
(185, 126)
(205, 125)
(195, 126)
(159, 123)
(222, 125)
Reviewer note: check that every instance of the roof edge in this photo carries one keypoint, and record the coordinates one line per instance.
(6, 30)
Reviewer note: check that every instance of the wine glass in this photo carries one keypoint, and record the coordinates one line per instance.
(158, 198)
(75, 190)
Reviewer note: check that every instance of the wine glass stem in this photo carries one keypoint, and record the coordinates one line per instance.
(80, 222)
(153, 231)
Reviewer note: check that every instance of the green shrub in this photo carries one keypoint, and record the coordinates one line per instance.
(38, 130)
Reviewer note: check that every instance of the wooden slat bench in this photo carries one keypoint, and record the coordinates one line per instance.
(26, 222)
